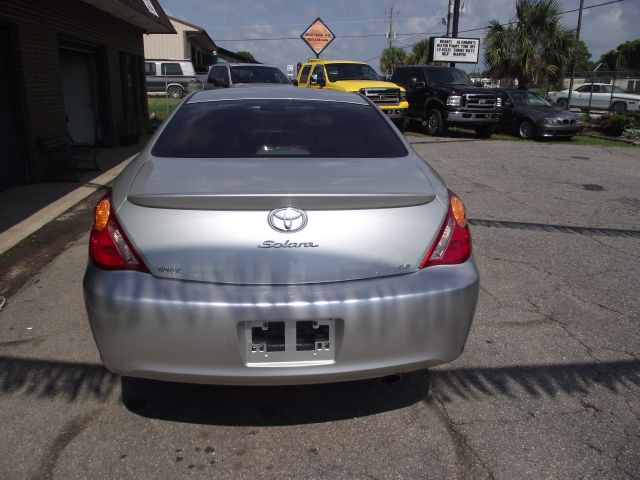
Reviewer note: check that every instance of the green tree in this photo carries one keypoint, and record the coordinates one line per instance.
(629, 53)
(391, 59)
(248, 56)
(419, 54)
(533, 47)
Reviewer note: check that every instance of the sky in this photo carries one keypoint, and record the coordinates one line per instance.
(227, 21)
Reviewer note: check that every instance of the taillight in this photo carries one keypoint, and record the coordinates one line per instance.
(108, 245)
(453, 243)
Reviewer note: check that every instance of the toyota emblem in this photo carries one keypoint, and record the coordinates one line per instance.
(287, 219)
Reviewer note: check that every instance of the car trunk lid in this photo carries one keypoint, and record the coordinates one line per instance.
(207, 220)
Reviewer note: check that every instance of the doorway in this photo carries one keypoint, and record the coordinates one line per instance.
(12, 162)
(78, 70)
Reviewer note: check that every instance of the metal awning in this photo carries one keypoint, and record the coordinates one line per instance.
(145, 14)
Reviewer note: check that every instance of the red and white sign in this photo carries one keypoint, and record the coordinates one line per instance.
(318, 36)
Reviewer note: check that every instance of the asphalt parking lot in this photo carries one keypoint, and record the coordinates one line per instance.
(548, 386)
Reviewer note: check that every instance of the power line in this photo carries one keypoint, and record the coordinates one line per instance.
(332, 22)
(561, 13)
(405, 34)
(298, 38)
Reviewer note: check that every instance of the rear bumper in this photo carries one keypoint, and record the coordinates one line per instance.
(192, 332)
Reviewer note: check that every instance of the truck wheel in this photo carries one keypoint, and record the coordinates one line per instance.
(435, 124)
(174, 92)
(619, 107)
(401, 124)
(562, 103)
(485, 131)
(526, 129)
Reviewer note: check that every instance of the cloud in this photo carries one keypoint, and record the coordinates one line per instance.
(603, 28)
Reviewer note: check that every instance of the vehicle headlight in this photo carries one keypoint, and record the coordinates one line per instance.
(552, 121)
(499, 102)
(403, 96)
(454, 101)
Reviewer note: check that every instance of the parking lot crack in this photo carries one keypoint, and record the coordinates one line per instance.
(464, 451)
(69, 432)
(610, 247)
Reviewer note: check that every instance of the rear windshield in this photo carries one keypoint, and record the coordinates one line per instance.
(278, 128)
(350, 71)
(250, 74)
(451, 76)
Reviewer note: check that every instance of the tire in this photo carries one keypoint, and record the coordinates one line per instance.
(562, 103)
(401, 124)
(174, 92)
(485, 131)
(526, 130)
(619, 107)
(435, 124)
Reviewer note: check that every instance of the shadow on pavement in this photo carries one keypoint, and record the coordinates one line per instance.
(243, 406)
(20, 202)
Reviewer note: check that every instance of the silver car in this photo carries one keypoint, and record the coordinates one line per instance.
(270, 236)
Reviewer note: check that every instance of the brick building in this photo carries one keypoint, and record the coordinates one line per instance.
(74, 65)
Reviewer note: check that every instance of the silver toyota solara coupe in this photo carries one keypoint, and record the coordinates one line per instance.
(273, 235)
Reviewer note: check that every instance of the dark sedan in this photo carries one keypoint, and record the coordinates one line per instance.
(529, 116)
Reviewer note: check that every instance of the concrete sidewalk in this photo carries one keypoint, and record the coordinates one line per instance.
(27, 208)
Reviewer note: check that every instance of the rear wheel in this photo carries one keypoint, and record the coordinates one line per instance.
(526, 129)
(435, 124)
(619, 107)
(174, 91)
(562, 103)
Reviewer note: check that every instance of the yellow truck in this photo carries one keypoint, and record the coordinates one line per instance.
(357, 77)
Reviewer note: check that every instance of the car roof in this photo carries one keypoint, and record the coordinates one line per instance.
(258, 65)
(424, 66)
(325, 61)
(275, 92)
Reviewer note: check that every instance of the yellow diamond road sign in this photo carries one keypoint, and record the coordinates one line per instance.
(318, 36)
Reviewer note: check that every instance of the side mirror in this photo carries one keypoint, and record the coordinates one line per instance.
(321, 82)
(479, 83)
(295, 82)
(218, 82)
(415, 84)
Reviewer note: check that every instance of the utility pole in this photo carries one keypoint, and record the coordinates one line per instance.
(391, 34)
(449, 12)
(456, 18)
(573, 62)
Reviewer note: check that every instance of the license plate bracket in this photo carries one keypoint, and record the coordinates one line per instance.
(289, 342)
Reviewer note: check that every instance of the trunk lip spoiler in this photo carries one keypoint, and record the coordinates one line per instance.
(262, 201)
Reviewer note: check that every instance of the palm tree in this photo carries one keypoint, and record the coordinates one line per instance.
(391, 58)
(533, 47)
(420, 53)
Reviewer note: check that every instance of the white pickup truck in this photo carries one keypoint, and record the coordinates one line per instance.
(603, 96)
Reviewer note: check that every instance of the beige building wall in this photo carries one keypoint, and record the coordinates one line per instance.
(160, 45)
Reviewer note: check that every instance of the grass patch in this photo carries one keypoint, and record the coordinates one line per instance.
(576, 140)
(160, 107)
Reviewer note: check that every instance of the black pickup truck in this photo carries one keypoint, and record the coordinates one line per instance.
(445, 96)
